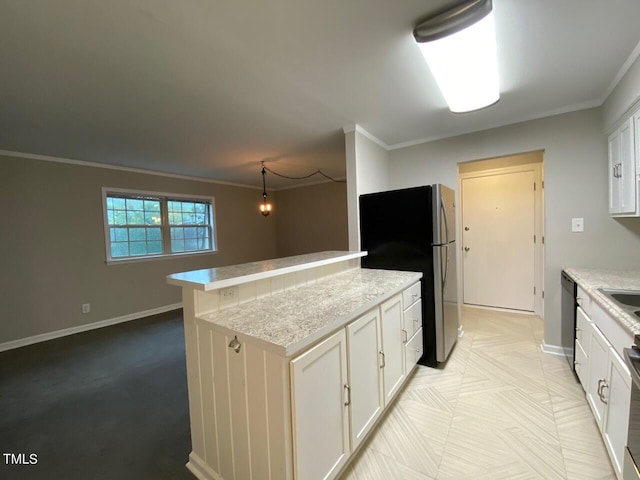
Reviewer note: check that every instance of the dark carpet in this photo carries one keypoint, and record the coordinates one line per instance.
(106, 404)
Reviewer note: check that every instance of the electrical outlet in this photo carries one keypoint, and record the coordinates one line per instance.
(577, 225)
(229, 293)
(86, 307)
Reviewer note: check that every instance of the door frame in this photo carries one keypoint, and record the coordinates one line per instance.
(539, 247)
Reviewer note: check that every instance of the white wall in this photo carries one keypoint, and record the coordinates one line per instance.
(367, 172)
(625, 95)
(575, 166)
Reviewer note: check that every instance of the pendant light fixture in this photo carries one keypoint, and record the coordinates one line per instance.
(265, 206)
(459, 45)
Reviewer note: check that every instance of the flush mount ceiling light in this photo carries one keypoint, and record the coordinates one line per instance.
(459, 46)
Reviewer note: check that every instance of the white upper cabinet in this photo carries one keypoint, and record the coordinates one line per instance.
(623, 184)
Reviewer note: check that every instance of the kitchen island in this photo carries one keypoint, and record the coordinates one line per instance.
(291, 362)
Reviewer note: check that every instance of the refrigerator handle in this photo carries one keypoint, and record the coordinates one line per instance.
(446, 220)
(446, 269)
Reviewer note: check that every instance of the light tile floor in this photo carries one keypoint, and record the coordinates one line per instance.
(499, 409)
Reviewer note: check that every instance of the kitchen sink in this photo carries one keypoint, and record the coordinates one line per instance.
(628, 300)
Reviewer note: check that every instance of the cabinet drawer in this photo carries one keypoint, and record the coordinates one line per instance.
(413, 350)
(584, 300)
(413, 318)
(582, 365)
(410, 295)
(582, 328)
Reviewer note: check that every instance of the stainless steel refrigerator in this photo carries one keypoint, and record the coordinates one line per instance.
(413, 229)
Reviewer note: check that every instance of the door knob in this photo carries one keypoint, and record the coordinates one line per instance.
(466, 249)
(466, 229)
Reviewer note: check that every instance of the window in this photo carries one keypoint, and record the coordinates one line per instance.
(147, 225)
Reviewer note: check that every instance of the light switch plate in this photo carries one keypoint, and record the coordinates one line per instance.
(577, 224)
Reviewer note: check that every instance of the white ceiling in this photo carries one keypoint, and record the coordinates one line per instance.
(211, 87)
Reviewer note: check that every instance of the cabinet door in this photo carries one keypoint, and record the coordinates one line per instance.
(627, 169)
(392, 346)
(598, 366)
(614, 179)
(364, 343)
(617, 393)
(320, 410)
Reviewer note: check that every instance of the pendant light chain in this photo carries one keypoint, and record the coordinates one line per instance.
(317, 172)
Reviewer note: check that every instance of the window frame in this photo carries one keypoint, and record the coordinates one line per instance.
(165, 227)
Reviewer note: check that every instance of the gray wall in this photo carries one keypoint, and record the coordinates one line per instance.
(575, 170)
(623, 97)
(367, 172)
(53, 248)
(311, 219)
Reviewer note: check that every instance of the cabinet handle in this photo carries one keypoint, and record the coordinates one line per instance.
(619, 170)
(416, 320)
(600, 388)
(578, 299)
(384, 362)
(235, 344)
(405, 335)
(602, 397)
(348, 392)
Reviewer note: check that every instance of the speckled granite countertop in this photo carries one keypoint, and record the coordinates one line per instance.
(593, 279)
(221, 277)
(290, 321)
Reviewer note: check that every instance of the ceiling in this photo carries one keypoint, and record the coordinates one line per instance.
(210, 88)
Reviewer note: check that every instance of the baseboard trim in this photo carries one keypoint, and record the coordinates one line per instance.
(552, 349)
(200, 469)
(43, 337)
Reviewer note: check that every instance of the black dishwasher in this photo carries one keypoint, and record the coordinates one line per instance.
(568, 319)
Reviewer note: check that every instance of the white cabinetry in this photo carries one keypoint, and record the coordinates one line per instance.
(617, 393)
(412, 326)
(392, 346)
(364, 347)
(603, 374)
(339, 388)
(598, 367)
(623, 191)
(320, 409)
(583, 343)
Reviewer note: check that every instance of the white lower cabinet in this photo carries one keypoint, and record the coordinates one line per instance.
(606, 380)
(617, 394)
(364, 346)
(320, 409)
(340, 387)
(393, 340)
(598, 368)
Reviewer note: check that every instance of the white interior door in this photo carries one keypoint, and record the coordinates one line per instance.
(498, 250)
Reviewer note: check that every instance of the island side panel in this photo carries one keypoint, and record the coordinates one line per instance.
(193, 372)
(208, 399)
(245, 416)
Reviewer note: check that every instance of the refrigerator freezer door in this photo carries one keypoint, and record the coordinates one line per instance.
(445, 271)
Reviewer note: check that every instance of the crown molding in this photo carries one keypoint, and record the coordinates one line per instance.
(83, 163)
(633, 56)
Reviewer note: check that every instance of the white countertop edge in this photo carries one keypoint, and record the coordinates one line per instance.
(299, 347)
(230, 282)
(622, 317)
